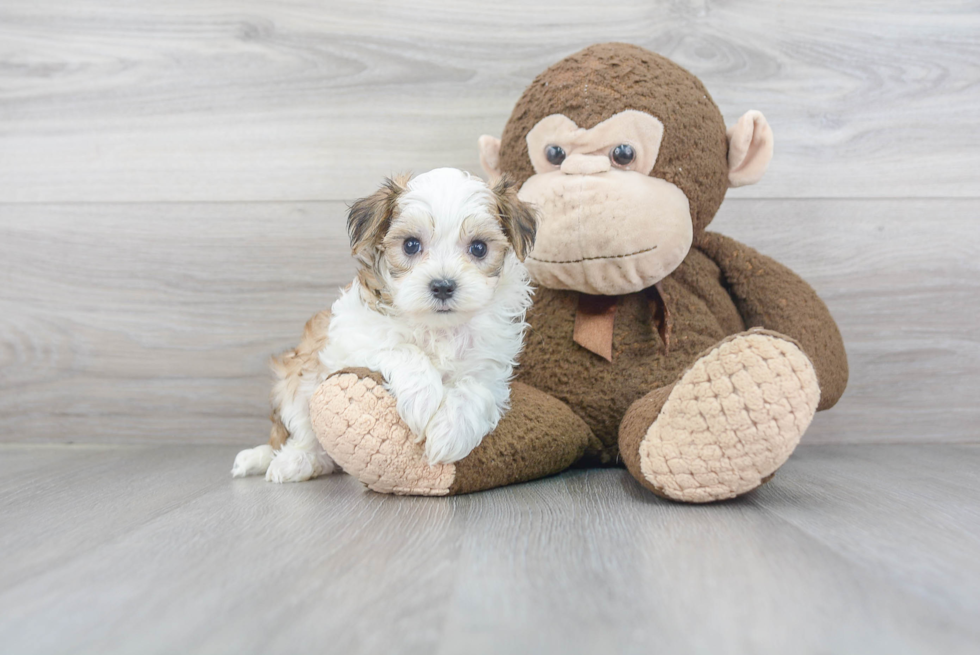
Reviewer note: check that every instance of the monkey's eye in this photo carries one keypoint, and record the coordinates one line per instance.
(623, 154)
(411, 246)
(555, 155)
(478, 249)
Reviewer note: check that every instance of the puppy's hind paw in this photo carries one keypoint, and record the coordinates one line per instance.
(293, 465)
(252, 461)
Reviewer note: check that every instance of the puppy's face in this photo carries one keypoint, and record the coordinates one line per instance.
(434, 248)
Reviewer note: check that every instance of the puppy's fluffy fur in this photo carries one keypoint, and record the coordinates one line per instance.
(443, 324)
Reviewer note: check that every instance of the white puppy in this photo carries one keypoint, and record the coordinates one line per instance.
(437, 308)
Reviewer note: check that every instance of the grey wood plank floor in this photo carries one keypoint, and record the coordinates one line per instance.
(155, 549)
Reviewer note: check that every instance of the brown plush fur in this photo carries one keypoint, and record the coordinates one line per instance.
(538, 436)
(768, 294)
(704, 300)
(600, 391)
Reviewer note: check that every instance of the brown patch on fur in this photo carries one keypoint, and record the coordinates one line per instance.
(401, 228)
(367, 224)
(279, 432)
(490, 232)
(293, 367)
(517, 219)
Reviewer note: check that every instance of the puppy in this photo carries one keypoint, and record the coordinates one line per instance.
(437, 308)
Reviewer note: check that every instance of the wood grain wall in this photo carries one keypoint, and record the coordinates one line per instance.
(173, 180)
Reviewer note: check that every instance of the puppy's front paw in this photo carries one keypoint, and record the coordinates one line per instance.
(457, 428)
(418, 403)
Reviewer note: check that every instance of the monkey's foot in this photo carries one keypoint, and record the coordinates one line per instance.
(357, 423)
(723, 429)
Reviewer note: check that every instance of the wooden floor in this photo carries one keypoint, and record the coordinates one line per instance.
(155, 549)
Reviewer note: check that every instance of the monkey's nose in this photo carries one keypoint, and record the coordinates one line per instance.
(578, 164)
(442, 289)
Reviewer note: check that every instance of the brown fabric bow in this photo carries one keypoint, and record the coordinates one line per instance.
(596, 317)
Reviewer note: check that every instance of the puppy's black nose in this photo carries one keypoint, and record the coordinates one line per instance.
(442, 289)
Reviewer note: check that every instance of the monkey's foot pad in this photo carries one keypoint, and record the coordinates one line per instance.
(733, 418)
(357, 423)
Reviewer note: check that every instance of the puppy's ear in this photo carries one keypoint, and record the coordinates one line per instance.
(369, 219)
(517, 218)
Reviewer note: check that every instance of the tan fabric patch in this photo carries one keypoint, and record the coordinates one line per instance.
(732, 420)
(594, 323)
(750, 144)
(609, 234)
(357, 423)
(637, 128)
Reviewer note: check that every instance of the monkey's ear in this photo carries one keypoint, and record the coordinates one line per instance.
(518, 219)
(490, 156)
(749, 149)
(369, 218)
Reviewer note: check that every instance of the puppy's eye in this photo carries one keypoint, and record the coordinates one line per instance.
(478, 249)
(412, 246)
(555, 155)
(623, 154)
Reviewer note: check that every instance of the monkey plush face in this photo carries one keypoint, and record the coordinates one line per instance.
(593, 187)
(627, 159)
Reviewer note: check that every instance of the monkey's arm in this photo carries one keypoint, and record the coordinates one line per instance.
(768, 294)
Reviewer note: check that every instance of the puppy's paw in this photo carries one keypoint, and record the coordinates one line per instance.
(457, 428)
(418, 403)
(294, 465)
(252, 461)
